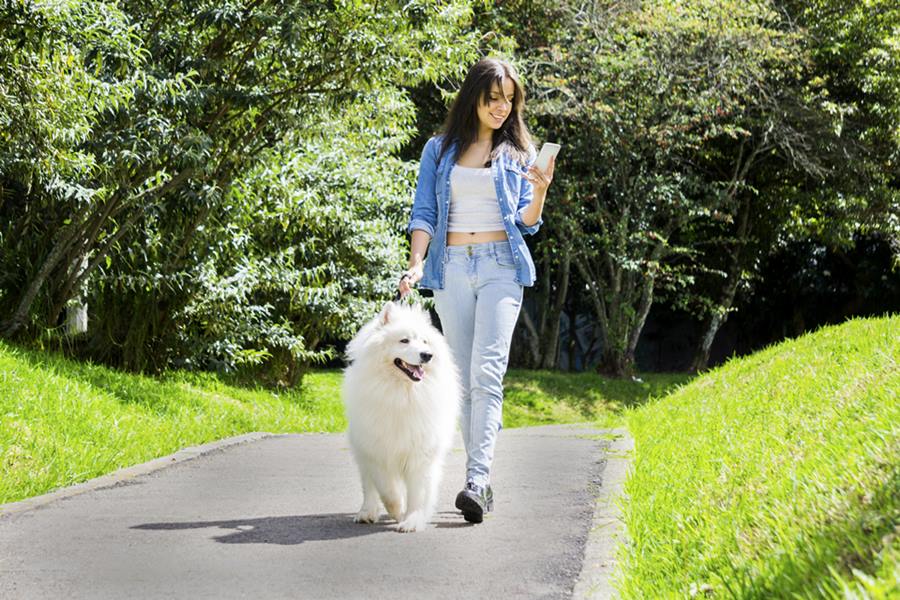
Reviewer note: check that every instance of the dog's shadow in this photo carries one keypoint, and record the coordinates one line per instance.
(285, 531)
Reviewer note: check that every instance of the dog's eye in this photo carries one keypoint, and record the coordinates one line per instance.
(404, 341)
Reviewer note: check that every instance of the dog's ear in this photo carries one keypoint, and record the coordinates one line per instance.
(425, 314)
(385, 316)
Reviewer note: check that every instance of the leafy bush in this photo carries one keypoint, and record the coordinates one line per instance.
(237, 199)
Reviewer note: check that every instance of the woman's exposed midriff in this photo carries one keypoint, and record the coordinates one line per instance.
(460, 238)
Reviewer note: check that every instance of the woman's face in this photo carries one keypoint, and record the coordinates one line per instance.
(499, 105)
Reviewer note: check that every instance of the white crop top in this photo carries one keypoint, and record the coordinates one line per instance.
(473, 200)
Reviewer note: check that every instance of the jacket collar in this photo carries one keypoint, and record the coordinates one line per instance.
(500, 156)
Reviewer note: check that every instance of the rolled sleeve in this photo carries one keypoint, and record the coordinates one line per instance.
(424, 209)
(528, 229)
(420, 224)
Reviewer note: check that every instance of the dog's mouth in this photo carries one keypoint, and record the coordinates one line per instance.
(414, 372)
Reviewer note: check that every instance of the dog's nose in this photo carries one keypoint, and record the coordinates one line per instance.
(426, 356)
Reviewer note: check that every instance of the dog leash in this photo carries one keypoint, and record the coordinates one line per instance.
(412, 297)
(397, 296)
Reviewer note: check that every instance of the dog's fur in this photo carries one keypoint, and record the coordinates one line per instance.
(401, 415)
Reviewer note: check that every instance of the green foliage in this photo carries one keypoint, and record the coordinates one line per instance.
(218, 182)
(315, 225)
(242, 188)
(773, 476)
(855, 69)
(642, 95)
(62, 67)
(698, 136)
(56, 61)
(815, 163)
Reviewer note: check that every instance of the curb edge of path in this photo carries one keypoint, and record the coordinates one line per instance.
(126, 474)
(595, 582)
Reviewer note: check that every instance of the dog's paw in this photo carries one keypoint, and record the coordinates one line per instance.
(366, 516)
(394, 509)
(415, 521)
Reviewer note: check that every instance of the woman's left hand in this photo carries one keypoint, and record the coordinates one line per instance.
(541, 179)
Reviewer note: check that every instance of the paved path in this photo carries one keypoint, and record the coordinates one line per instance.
(272, 518)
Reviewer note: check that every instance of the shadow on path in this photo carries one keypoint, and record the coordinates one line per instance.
(287, 530)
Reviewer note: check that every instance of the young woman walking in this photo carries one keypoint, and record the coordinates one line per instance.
(478, 195)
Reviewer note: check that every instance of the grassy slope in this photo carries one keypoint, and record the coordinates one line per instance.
(776, 475)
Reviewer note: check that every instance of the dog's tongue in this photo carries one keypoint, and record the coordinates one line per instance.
(418, 371)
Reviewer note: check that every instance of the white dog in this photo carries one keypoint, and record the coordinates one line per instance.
(401, 394)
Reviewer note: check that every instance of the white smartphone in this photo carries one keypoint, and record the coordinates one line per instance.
(548, 151)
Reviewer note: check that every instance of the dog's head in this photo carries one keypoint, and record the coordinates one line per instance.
(401, 339)
(408, 339)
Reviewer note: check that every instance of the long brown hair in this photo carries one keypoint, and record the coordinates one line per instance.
(462, 119)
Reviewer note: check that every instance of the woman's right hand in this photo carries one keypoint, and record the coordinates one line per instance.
(410, 278)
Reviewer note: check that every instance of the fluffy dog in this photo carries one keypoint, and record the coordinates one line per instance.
(401, 395)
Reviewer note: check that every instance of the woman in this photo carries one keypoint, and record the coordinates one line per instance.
(478, 194)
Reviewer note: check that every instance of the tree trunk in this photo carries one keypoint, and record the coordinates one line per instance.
(701, 355)
(596, 298)
(622, 319)
(19, 316)
(617, 360)
(533, 330)
(726, 300)
(76, 277)
(67, 238)
(76, 312)
(541, 331)
(615, 363)
(646, 301)
(614, 360)
(550, 334)
(573, 342)
(76, 319)
(532, 339)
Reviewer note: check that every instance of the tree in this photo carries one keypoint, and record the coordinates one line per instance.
(218, 85)
(818, 150)
(639, 95)
(61, 68)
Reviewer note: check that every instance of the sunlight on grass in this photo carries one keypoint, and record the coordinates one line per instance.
(774, 476)
(544, 397)
(63, 422)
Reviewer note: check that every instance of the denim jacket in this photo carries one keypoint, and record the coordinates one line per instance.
(431, 208)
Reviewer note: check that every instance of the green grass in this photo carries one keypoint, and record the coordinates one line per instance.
(63, 422)
(774, 476)
(545, 397)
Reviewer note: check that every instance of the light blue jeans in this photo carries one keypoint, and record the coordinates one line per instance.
(478, 307)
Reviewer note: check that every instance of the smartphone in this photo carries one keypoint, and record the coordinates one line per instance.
(548, 151)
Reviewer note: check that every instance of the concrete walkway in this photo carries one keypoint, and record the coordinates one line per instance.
(271, 517)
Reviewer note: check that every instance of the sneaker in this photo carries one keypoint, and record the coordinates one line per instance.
(474, 501)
